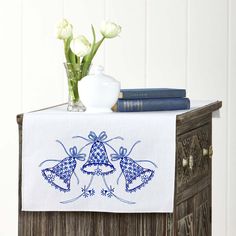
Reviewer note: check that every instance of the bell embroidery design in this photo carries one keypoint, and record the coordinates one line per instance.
(135, 175)
(60, 175)
(98, 162)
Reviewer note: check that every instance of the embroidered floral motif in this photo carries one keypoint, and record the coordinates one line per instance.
(108, 192)
(104, 192)
(87, 192)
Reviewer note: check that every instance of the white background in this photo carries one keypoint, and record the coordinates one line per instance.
(164, 43)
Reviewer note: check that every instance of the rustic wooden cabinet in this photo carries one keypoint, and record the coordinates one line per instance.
(192, 206)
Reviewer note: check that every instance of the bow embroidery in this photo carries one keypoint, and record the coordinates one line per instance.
(73, 152)
(117, 156)
(93, 137)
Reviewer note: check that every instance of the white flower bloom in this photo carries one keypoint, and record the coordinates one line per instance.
(64, 30)
(80, 46)
(109, 29)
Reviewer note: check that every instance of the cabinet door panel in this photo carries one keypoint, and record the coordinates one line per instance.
(202, 214)
(184, 218)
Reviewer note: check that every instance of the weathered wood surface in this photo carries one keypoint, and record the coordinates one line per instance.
(90, 224)
(197, 113)
(192, 194)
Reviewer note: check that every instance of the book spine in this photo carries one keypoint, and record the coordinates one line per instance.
(164, 104)
(141, 94)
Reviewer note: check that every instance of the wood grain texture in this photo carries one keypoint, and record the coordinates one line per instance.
(202, 212)
(201, 111)
(192, 200)
(190, 151)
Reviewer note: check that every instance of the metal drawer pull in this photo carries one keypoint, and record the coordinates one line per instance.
(185, 162)
(207, 152)
(188, 162)
(191, 162)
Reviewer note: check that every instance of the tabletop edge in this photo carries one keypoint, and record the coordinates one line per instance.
(192, 114)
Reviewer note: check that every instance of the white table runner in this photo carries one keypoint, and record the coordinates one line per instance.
(117, 162)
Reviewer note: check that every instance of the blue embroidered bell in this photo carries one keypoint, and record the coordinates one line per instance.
(135, 175)
(59, 175)
(98, 162)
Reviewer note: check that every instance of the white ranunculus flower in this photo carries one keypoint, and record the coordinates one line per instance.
(80, 46)
(109, 29)
(64, 30)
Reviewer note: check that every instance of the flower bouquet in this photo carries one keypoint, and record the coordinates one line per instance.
(79, 53)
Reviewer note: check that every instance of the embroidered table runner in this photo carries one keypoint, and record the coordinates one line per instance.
(116, 162)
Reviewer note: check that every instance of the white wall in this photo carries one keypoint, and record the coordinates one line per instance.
(164, 43)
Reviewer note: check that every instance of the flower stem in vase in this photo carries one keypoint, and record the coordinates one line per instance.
(73, 76)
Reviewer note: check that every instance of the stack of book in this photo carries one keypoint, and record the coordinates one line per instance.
(152, 99)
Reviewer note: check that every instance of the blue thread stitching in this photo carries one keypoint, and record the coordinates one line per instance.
(76, 198)
(131, 169)
(145, 181)
(98, 155)
(87, 192)
(47, 161)
(64, 169)
(91, 192)
(77, 178)
(104, 192)
(117, 181)
(111, 193)
(95, 170)
(147, 161)
(104, 162)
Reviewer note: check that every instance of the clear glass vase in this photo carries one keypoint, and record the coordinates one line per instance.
(73, 75)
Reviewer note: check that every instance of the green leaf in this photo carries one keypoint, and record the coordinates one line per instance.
(88, 59)
(67, 49)
(94, 35)
(72, 56)
(97, 45)
(90, 55)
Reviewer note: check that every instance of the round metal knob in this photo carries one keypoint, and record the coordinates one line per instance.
(207, 152)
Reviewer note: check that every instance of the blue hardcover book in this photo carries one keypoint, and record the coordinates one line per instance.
(158, 104)
(152, 93)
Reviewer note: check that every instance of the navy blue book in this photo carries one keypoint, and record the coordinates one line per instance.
(152, 93)
(157, 104)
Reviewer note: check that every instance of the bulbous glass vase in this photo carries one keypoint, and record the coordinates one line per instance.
(73, 75)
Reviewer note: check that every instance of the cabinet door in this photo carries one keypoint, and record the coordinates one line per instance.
(193, 216)
(202, 216)
(184, 218)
